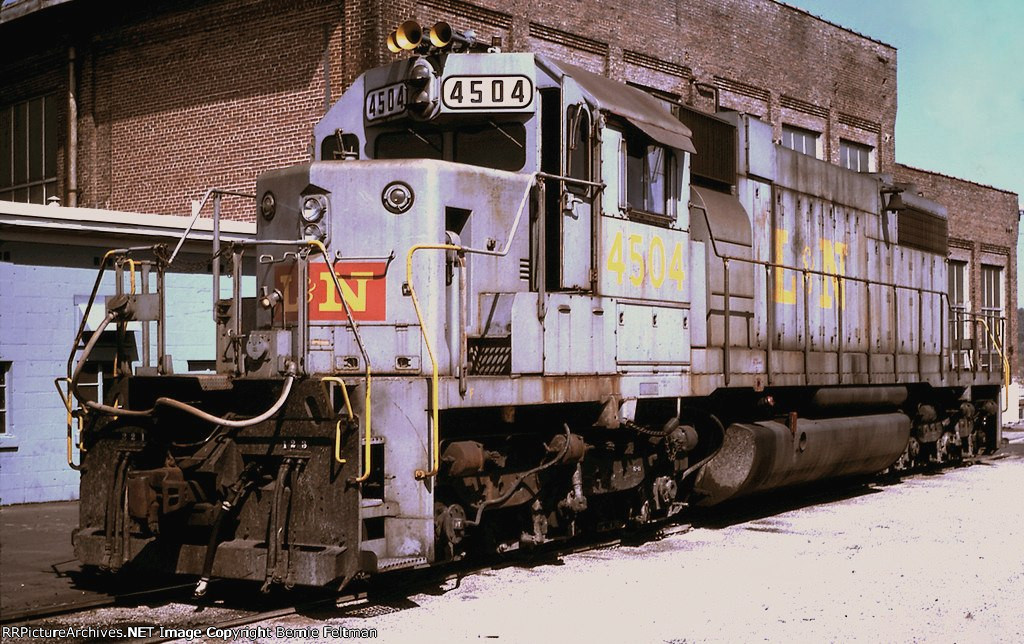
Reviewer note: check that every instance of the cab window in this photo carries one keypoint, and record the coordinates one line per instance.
(488, 145)
(502, 147)
(578, 148)
(646, 170)
(409, 145)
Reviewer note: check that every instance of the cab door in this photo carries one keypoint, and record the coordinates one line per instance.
(576, 200)
(568, 205)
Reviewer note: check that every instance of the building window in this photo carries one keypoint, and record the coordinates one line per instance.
(28, 150)
(959, 323)
(803, 141)
(5, 370)
(992, 291)
(992, 307)
(856, 156)
(958, 284)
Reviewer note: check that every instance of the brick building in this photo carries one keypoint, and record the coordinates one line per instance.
(141, 107)
(181, 96)
(982, 247)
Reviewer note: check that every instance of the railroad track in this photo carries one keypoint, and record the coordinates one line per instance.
(121, 599)
(372, 594)
(387, 590)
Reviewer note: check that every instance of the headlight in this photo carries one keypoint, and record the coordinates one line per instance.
(313, 231)
(313, 208)
(268, 206)
(397, 197)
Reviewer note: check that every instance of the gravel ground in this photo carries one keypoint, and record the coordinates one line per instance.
(939, 557)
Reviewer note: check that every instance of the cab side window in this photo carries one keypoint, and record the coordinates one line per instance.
(578, 148)
(648, 169)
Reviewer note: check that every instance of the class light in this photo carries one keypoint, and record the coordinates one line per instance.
(420, 89)
(268, 206)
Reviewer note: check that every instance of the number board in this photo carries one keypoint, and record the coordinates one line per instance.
(511, 92)
(385, 101)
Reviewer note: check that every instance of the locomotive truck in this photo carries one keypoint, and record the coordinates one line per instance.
(510, 301)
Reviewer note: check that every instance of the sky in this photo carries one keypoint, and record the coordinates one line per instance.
(960, 84)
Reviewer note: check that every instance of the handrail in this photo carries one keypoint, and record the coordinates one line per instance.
(1002, 357)
(368, 403)
(131, 274)
(170, 402)
(66, 399)
(435, 438)
(195, 215)
(810, 271)
(344, 392)
(771, 266)
(435, 443)
(337, 430)
(95, 291)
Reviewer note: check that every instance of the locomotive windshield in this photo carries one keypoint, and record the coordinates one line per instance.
(501, 146)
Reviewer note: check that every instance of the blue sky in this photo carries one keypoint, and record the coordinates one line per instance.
(960, 83)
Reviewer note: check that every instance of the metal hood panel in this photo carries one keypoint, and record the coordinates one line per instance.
(670, 138)
(728, 220)
(642, 110)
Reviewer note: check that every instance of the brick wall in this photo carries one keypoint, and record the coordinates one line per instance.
(982, 229)
(760, 56)
(177, 97)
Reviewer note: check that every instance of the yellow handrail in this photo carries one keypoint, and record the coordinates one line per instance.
(131, 274)
(1002, 357)
(366, 358)
(435, 441)
(66, 399)
(337, 428)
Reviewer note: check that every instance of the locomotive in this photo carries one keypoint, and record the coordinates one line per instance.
(511, 301)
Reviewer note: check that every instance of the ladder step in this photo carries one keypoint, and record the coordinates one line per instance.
(373, 508)
(397, 563)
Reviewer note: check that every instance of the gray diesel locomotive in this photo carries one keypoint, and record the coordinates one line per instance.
(511, 301)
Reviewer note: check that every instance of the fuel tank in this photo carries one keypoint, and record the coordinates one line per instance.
(762, 456)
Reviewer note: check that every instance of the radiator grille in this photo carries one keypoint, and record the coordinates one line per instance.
(715, 141)
(923, 231)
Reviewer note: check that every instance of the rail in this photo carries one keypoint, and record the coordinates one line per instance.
(368, 403)
(197, 208)
(168, 402)
(348, 409)
(840, 281)
(74, 372)
(1005, 363)
(66, 399)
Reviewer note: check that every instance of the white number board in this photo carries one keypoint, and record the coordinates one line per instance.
(386, 101)
(513, 92)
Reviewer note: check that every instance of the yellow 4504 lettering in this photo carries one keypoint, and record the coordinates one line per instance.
(641, 263)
